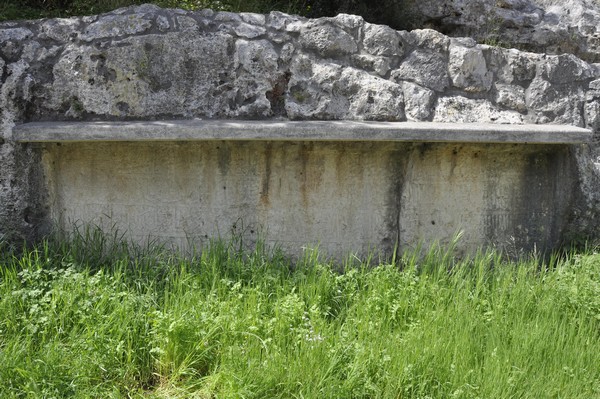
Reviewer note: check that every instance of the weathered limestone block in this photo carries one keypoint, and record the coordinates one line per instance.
(326, 39)
(545, 26)
(419, 101)
(467, 69)
(426, 39)
(348, 22)
(146, 76)
(565, 68)
(592, 106)
(162, 23)
(116, 25)
(2, 65)
(61, 30)
(14, 34)
(379, 65)
(226, 16)
(286, 53)
(510, 96)
(188, 24)
(311, 93)
(256, 67)
(549, 102)
(249, 31)
(382, 40)
(370, 97)
(11, 42)
(513, 66)
(324, 90)
(592, 113)
(425, 67)
(279, 21)
(465, 110)
(253, 18)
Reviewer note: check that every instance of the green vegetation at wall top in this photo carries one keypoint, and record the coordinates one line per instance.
(384, 11)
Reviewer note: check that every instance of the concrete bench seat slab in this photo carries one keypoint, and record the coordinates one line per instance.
(242, 130)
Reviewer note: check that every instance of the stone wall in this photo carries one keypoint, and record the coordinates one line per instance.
(149, 63)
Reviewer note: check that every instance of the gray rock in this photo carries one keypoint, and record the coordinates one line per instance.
(115, 26)
(550, 26)
(162, 23)
(150, 9)
(591, 110)
(382, 41)
(513, 66)
(12, 41)
(279, 37)
(185, 23)
(253, 18)
(564, 69)
(327, 40)
(295, 26)
(511, 96)
(287, 51)
(328, 91)
(425, 67)
(418, 102)
(14, 34)
(465, 110)
(592, 114)
(551, 103)
(258, 58)
(311, 90)
(379, 65)
(137, 77)
(206, 13)
(278, 20)
(348, 21)
(61, 30)
(255, 64)
(427, 39)
(249, 31)
(226, 16)
(467, 69)
(370, 97)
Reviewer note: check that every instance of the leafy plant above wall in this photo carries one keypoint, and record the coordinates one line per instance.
(384, 12)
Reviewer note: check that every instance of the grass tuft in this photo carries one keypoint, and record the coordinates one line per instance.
(94, 317)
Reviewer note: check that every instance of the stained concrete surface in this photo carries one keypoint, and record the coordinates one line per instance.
(340, 196)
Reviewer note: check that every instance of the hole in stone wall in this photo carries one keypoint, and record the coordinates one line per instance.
(27, 215)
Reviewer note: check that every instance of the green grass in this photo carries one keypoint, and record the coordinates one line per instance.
(33, 9)
(95, 318)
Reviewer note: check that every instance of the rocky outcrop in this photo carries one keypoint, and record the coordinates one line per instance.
(544, 26)
(149, 63)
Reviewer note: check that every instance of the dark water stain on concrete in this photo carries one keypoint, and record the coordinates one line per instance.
(224, 158)
(266, 176)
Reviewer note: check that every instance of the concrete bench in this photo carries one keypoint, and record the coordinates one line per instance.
(346, 186)
(177, 130)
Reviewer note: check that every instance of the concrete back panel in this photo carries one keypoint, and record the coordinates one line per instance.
(343, 196)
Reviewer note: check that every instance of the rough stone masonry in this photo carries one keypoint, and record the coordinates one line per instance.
(148, 63)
